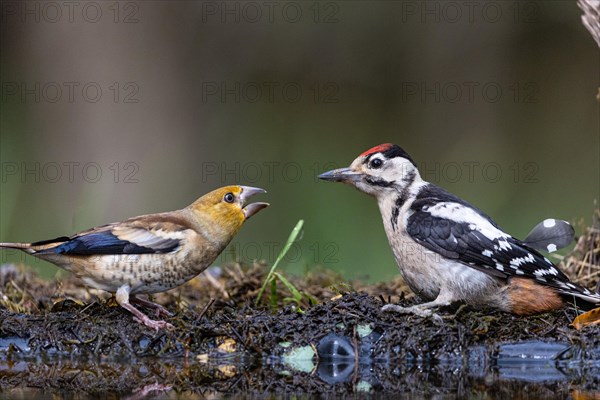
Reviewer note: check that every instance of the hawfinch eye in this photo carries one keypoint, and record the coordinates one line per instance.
(229, 198)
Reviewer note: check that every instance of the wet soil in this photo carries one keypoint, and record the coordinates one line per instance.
(61, 339)
(67, 338)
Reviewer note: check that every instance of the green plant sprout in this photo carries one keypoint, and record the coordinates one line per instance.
(273, 276)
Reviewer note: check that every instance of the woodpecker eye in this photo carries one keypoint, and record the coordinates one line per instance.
(376, 163)
(229, 198)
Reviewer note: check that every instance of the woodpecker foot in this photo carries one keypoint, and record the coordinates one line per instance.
(415, 310)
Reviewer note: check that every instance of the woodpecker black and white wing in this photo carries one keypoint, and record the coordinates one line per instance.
(460, 232)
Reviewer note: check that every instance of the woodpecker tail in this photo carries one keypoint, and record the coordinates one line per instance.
(581, 297)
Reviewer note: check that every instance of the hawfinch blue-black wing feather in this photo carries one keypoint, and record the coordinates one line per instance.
(119, 239)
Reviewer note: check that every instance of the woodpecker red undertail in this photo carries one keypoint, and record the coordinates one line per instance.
(449, 251)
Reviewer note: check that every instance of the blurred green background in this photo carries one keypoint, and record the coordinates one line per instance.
(115, 109)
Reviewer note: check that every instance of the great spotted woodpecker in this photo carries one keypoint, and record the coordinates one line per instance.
(449, 251)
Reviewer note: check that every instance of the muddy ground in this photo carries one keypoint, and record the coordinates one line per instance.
(60, 338)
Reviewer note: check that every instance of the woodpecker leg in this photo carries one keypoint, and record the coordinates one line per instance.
(122, 297)
(421, 310)
(147, 303)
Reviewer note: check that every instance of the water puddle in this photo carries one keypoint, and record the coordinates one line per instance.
(334, 366)
(343, 346)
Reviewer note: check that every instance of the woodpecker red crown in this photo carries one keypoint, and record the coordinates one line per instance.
(377, 149)
(389, 150)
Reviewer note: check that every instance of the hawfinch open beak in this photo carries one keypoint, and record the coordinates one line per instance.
(252, 208)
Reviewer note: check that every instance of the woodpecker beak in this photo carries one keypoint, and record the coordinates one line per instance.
(252, 208)
(345, 175)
